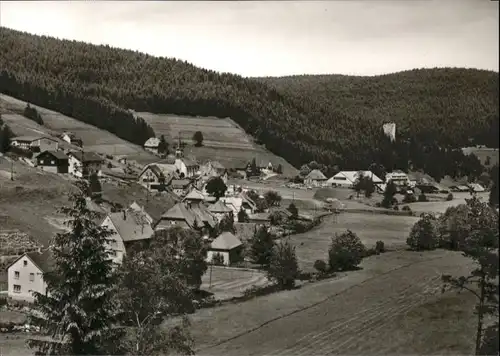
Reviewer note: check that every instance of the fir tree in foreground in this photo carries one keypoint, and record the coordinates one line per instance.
(77, 315)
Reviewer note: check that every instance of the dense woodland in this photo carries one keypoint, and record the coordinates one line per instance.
(334, 120)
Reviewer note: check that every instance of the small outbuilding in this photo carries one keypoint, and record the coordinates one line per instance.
(228, 247)
(53, 161)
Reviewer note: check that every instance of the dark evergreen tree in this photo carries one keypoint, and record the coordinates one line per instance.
(292, 208)
(198, 138)
(283, 266)
(261, 246)
(78, 307)
(163, 146)
(216, 187)
(389, 193)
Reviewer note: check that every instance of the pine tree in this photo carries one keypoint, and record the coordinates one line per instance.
(261, 248)
(389, 193)
(163, 146)
(283, 266)
(95, 189)
(77, 312)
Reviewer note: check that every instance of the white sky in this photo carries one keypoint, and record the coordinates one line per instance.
(274, 38)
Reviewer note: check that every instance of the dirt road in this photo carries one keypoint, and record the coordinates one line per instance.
(356, 317)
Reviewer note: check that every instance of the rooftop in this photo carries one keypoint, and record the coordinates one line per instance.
(132, 225)
(86, 156)
(225, 241)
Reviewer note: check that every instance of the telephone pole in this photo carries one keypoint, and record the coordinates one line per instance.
(11, 170)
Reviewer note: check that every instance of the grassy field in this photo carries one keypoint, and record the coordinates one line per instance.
(223, 140)
(482, 154)
(94, 139)
(314, 244)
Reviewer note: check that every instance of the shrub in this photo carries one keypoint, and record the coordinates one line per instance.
(423, 235)
(449, 197)
(320, 266)
(218, 259)
(283, 266)
(406, 208)
(396, 208)
(346, 252)
(422, 198)
(409, 198)
(379, 247)
(370, 252)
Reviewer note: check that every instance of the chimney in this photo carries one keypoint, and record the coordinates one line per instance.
(124, 215)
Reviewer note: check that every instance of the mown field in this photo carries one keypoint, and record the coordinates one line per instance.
(94, 139)
(223, 140)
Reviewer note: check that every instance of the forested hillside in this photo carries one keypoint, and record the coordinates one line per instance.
(333, 120)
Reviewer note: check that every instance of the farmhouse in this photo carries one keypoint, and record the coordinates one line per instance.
(186, 167)
(53, 161)
(82, 164)
(228, 246)
(156, 175)
(25, 275)
(128, 227)
(152, 144)
(241, 201)
(399, 178)
(71, 138)
(180, 187)
(347, 179)
(194, 197)
(315, 178)
(187, 217)
(35, 143)
(219, 210)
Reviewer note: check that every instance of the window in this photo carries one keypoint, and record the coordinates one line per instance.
(41, 161)
(17, 288)
(52, 162)
(25, 263)
(32, 277)
(16, 275)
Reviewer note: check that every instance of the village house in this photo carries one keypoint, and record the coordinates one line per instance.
(399, 178)
(219, 210)
(228, 246)
(128, 227)
(25, 275)
(83, 164)
(156, 176)
(346, 179)
(194, 197)
(180, 187)
(240, 201)
(188, 217)
(53, 161)
(71, 138)
(212, 169)
(152, 144)
(315, 178)
(186, 168)
(35, 143)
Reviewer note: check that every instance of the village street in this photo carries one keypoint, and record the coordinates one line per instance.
(369, 311)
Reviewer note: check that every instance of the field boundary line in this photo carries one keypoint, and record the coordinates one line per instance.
(314, 304)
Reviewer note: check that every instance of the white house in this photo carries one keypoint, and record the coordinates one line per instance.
(241, 201)
(399, 178)
(152, 144)
(128, 227)
(82, 164)
(71, 138)
(186, 167)
(35, 143)
(154, 174)
(348, 178)
(25, 275)
(228, 246)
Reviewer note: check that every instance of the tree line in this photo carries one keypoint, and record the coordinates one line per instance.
(338, 124)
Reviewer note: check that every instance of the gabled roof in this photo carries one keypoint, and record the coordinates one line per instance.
(203, 216)
(316, 175)
(219, 207)
(44, 260)
(225, 241)
(476, 187)
(152, 142)
(352, 176)
(180, 183)
(86, 156)
(56, 154)
(27, 138)
(131, 225)
(195, 194)
(179, 212)
(140, 209)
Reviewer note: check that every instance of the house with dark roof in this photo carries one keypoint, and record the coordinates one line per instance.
(25, 275)
(53, 161)
(83, 164)
(194, 197)
(180, 187)
(128, 227)
(188, 217)
(228, 247)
